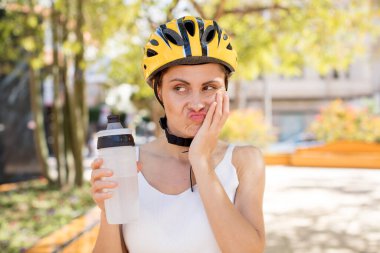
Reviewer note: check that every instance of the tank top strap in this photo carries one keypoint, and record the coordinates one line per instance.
(229, 151)
(137, 153)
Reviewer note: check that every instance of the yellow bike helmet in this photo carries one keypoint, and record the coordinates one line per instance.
(186, 41)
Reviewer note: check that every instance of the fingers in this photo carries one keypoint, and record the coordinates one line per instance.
(100, 185)
(210, 113)
(226, 107)
(98, 174)
(99, 197)
(221, 112)
(97, 163)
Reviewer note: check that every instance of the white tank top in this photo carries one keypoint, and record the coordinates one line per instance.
(177, 223)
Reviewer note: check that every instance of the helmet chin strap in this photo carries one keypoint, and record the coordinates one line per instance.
(175, 140)
(172, 139)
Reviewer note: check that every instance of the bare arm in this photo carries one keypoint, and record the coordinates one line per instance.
(238, 228)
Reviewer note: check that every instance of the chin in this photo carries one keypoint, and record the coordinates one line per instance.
(192, 131)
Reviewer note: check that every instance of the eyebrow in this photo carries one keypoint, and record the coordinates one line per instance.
(187, 83)
(180, 80)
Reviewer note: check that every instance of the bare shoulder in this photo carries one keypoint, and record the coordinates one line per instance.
(248, 160)
(150, 148)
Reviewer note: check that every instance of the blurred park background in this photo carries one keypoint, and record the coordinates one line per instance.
(306, 91)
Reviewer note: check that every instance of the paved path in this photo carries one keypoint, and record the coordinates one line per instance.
(319, 210)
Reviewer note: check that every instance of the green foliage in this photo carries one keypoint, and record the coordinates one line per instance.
(35, 210)
(340, 121)
(323, 35)
(21, 36)
(247, 127)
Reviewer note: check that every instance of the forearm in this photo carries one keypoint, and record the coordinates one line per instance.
(109, 239)
(233, 232)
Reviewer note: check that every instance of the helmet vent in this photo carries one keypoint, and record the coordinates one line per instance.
(151, 52)
(209, 34)
(229, 46)
(190, 27)
(154, 42)
(173, 37)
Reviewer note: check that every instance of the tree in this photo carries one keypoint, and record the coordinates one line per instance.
(270, 37)
(280, 37)
(21, 39)
(70, 112)
(69, 118)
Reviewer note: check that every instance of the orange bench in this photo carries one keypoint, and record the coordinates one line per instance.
(77, 236)
(345, 154)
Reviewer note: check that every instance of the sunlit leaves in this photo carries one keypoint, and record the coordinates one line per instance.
(32, 21)
(323, 35)
(28, 43)
(37, 62)
(20, 33)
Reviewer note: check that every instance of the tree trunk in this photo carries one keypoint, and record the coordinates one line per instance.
(38, 117)
(36, 101)
(69, 131)
(79, 100)
(58, 133)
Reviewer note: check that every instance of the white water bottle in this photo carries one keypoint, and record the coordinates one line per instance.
(116, 148)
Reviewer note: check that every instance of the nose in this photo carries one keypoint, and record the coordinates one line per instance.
(197, 102)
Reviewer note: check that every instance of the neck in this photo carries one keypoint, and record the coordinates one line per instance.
(173, 151)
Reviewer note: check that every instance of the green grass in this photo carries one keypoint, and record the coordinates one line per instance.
(35, 210)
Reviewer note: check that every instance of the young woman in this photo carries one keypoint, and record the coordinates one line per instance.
(197, 194)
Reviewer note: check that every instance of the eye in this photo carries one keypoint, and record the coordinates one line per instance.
(209, 87)
(180, 88)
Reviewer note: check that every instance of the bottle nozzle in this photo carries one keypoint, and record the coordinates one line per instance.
(114, 122)
(113, 118)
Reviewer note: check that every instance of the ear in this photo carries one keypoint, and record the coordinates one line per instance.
(159, 92)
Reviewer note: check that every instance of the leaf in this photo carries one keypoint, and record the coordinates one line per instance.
(28, 44)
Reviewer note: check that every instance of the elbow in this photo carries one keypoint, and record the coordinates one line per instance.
(257, 246)
(260, 246)
(251, 246)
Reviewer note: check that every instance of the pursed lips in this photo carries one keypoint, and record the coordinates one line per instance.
(197, 116)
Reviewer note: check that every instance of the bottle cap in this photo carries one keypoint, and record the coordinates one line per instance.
(113, 118)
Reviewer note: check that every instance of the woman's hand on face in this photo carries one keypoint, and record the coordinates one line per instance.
(206, 138)
(99, 186)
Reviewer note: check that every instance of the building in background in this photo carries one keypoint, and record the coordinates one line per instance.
(295, 101)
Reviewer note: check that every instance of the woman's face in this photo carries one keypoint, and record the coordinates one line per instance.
(187, 92)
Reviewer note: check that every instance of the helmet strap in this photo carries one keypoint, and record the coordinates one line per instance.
(172, 139)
